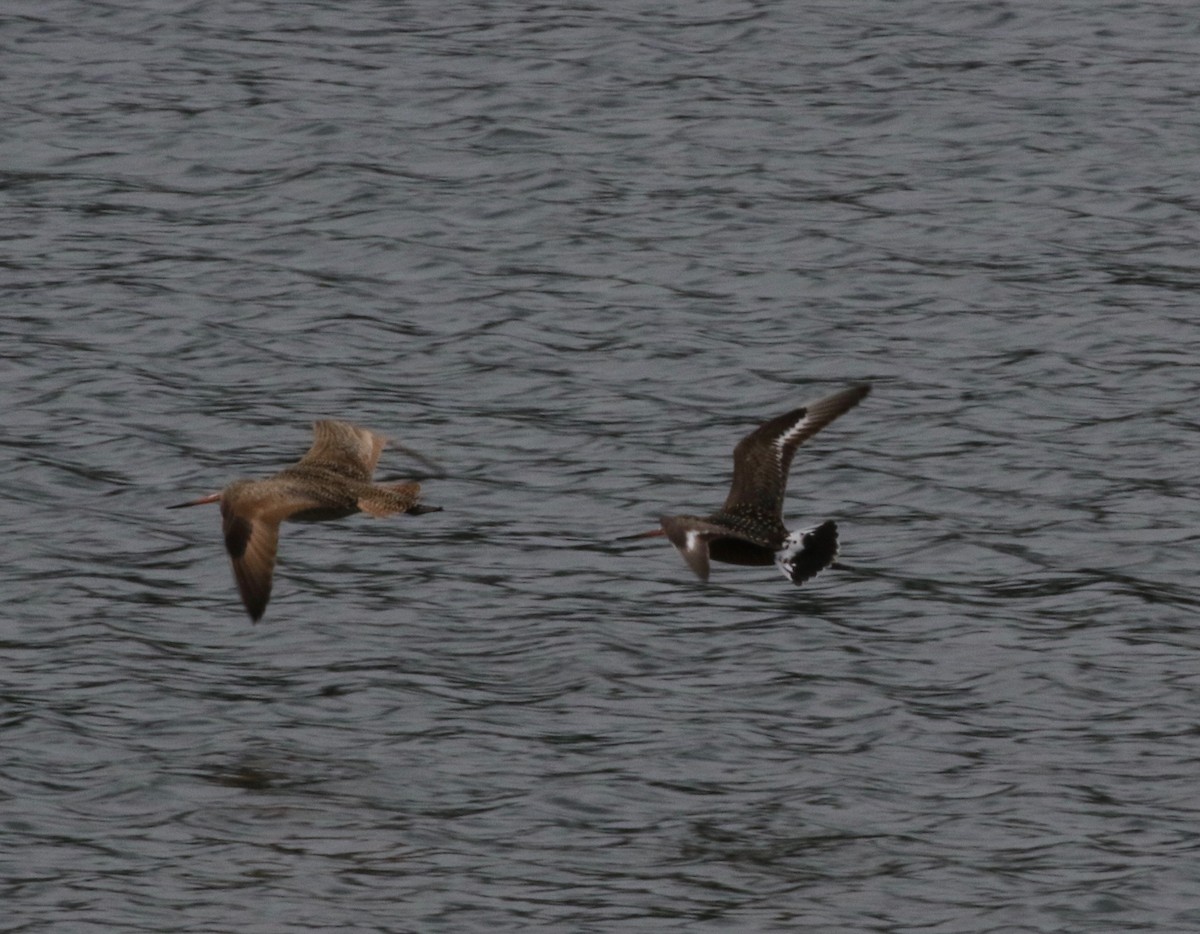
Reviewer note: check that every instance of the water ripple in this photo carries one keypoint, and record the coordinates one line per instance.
(573, 255)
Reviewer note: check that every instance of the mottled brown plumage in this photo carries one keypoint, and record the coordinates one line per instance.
(331, 481)
(748, 529)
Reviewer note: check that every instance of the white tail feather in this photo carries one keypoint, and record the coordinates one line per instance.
(807, 552)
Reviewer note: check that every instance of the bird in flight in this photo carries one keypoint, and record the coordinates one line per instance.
(331, 481)
(749, 528)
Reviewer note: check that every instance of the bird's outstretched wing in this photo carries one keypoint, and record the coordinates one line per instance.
(251, 511)
(251, 542)
(762, 459)
(344, 449)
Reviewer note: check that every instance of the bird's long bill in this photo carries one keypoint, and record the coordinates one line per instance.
(210, 498)
(653, 533)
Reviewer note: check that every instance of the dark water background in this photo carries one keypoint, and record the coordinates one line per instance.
(573, 253)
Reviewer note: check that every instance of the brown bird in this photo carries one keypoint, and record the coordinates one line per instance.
(749, 528)
(331, 481)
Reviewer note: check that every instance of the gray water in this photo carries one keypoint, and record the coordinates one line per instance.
(573, 254)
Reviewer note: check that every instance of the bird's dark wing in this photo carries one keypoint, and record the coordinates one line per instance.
(762, 459)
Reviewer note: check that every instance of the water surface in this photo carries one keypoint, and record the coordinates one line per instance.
(574, 254)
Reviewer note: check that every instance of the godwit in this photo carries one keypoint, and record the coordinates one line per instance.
(749, 528)
(331, 481)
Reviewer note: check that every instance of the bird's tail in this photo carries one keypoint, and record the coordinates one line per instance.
(806, 553)
(387, 499)
(410, 490)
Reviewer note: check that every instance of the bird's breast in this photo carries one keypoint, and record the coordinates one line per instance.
(739, 551)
